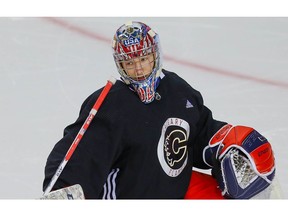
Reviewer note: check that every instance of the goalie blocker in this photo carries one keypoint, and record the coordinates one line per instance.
(242, 161)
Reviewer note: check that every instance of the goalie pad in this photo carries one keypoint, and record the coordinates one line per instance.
(242, 160)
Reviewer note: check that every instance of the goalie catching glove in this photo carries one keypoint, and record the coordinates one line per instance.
(242, 161)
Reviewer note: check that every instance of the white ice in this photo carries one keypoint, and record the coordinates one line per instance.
(47, 69)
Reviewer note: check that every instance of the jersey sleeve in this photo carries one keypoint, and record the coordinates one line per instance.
(92, 159)
(207, 126)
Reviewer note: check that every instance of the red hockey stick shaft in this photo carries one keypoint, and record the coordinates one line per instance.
(80, 134)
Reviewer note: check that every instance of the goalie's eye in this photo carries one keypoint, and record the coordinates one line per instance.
(129, 63)
(143, 59)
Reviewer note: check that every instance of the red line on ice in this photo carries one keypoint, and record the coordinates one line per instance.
(95, 36)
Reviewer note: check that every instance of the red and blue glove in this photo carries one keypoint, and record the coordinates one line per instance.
(242, 161)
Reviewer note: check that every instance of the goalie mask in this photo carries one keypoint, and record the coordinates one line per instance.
(137, 54)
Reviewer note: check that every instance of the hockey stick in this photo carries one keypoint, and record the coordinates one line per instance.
(80, 134)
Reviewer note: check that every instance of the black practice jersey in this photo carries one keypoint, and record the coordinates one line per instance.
(134, 150)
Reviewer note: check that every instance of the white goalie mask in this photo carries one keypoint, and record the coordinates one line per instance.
(138, 57)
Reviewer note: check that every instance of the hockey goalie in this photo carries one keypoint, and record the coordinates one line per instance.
(152, 130)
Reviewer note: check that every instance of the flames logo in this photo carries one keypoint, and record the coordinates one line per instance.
(172, 146)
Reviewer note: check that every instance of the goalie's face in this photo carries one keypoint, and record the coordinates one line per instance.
(138, 58)
(139, 68)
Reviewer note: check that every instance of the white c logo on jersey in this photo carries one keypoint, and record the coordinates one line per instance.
(172, 146)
